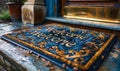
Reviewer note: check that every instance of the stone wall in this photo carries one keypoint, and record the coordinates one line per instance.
(8, 64)
(2, 4)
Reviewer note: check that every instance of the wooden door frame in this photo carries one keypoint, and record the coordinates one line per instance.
(63, 2)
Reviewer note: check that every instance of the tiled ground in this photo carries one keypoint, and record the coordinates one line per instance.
(32, 63)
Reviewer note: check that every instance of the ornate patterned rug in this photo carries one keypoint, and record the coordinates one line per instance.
(68, 47)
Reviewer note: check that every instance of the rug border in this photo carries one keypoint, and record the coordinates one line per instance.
(60, 60)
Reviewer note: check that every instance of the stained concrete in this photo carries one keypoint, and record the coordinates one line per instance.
(34, 12)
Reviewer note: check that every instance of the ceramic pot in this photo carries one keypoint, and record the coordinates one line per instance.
(15, 11)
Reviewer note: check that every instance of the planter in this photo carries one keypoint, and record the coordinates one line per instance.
(15, 11)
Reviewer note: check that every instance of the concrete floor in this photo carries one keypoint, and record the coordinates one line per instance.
(2, 68)
(32, 63)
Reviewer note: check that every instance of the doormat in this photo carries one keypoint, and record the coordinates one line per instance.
(70, 48)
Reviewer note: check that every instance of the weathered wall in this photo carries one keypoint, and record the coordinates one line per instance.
(2, 4)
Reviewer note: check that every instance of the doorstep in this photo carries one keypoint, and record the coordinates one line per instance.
(30, 62)
(95, 24)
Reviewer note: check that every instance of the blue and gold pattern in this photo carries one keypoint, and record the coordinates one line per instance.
(76, 48)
